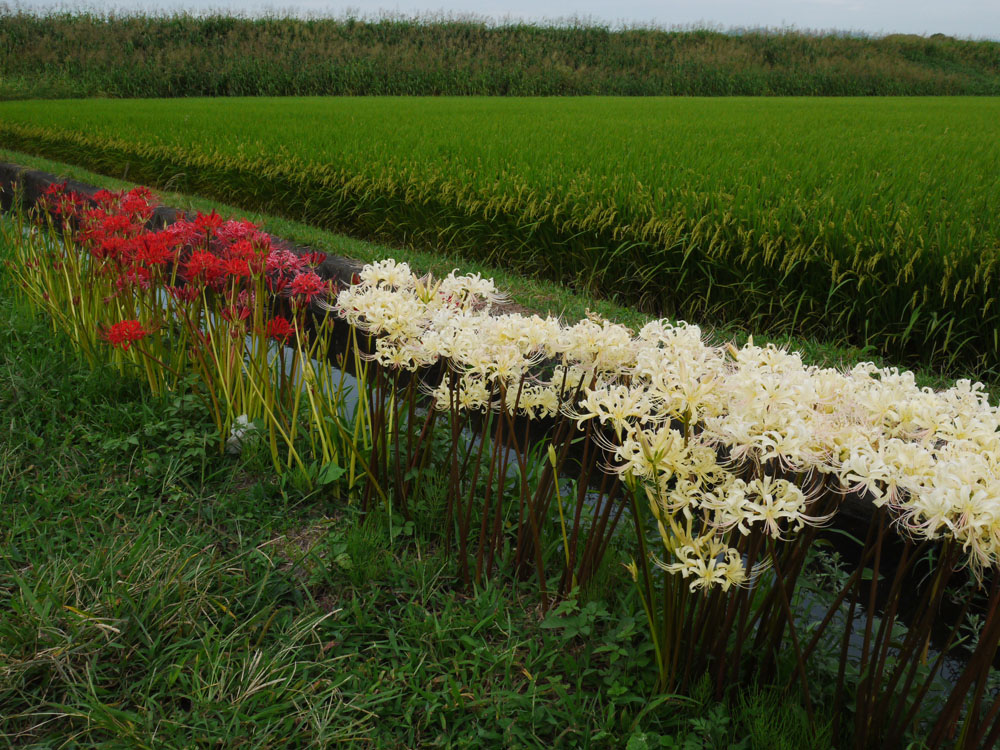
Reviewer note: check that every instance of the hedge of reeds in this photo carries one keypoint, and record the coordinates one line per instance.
(870, 222)
(57, 55)
(715, 468)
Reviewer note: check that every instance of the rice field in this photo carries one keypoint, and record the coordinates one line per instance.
(869, 221)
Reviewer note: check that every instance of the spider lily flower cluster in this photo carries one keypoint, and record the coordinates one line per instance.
(727, 462)
(733, 459)
(493, 377)
(741, 454)
(737, 440)
(206, 301)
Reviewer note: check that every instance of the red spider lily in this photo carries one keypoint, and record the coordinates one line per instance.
(106, 199)
(204, 267)
(238, 309)
(72, 206)
(245, 251)
(116, 223)
(122, 335)
(184, 293)
(284, 261)
(141, 191)
(153, 250)
(136, 204)
(183, 232)
(277, 284)
(92, 226)
(58, 201)
(53, 195)
(279, 329)
(236, 268)
(208, 222)
(246, 298)
(235, 230)
(135, 277)
(314, 258)
(236, 314)
(307, 285)
(118, 249)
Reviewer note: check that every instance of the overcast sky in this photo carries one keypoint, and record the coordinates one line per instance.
(965, 18)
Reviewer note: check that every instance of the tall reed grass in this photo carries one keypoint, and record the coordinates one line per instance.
(60, 55)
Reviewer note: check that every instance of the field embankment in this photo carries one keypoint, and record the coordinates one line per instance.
(873, 222)
(59, 55)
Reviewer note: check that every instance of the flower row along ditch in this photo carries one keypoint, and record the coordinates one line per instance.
(714, 470)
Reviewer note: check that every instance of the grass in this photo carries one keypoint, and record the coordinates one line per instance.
(63, 54)
(840, 219)
(157, 594)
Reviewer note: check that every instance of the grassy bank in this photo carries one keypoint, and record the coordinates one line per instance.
(839, 218)
(80, 55)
